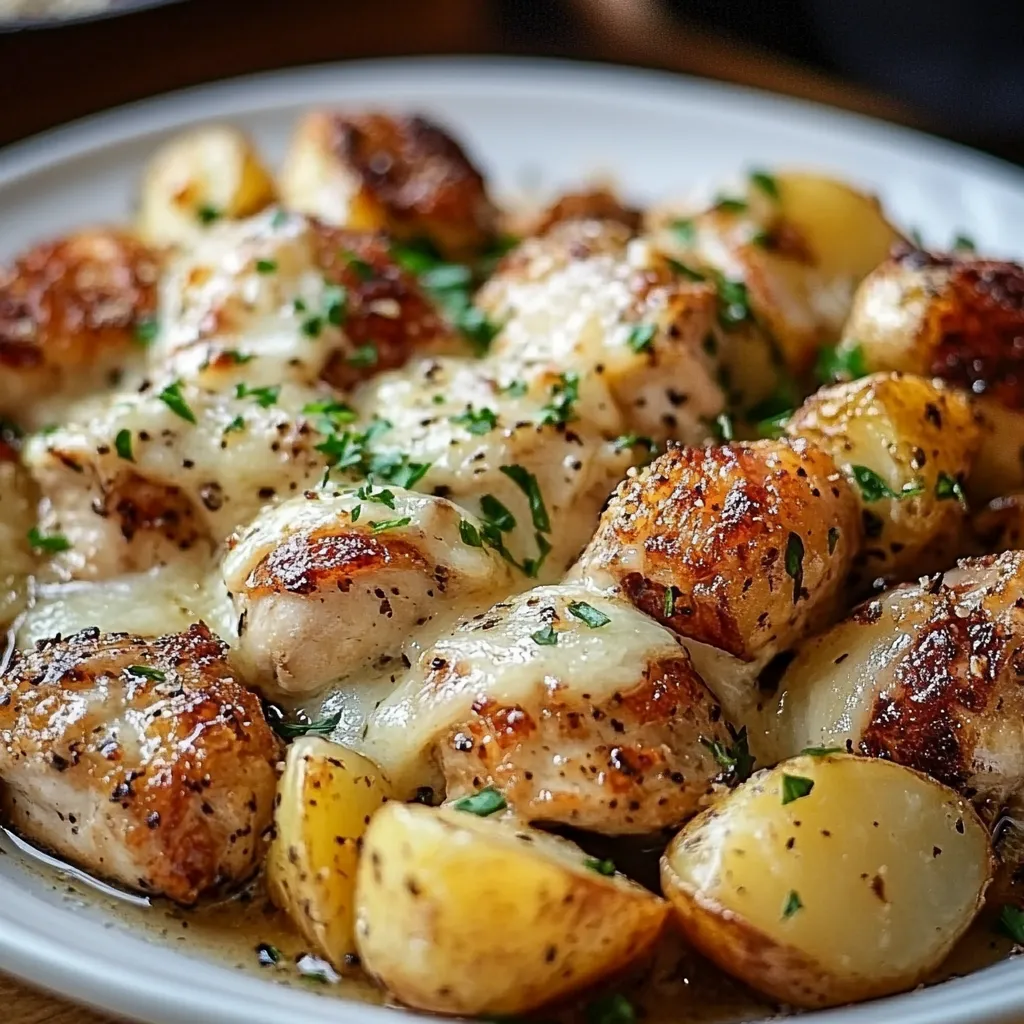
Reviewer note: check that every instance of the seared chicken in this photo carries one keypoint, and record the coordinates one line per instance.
(403, 175)
(329, 582)
(74, 314)
(146, 762)
(580, 709)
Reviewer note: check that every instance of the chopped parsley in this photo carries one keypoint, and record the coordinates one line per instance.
(795, 563)
(792, 904)
(734, 758)
(356, 264)
(546, 637)
(723, 427)
(603, 866)
(495, 513)
(766, 182)
(610, 1009)
(588, 614)
(565, 392)
(874, 488)
(730, 204)
(335, 414)
(841, 363)
(51, 544)
(833, 538)
(624, 441)
(794, 787)
(641, 337)
(964, 243)
(363, 356)
(821, 751)
(384, 496)
(238, 423)
(684, 230)
(733, 302)
(389, 524)
(146, 672)
(515, 388)
(171, 397)
(313, 326)
(279, 219)
(146, 330)
(265, 397)
(527, 483)
(668, 607)
(1011, 922)
(238, 358)
(685, 270)
(206, 213)
(470, 534)
(123, 445)
(290, 730)
(949, 487)
(477, 421)
(336, 303)
(483, 803)
(266, 266)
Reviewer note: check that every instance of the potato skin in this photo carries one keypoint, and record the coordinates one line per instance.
(854, 889)
(466, 915)
(911, 433)
(716, 525)
(402, 175)
(326, 797)
(69, 310)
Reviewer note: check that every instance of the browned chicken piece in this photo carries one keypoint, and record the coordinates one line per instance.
(146, 762)
(743, 547)
(385, 310)
(71, 313)
(600, 204)
(579, 708)
(402, 175)
(960, 319)
(927, 675)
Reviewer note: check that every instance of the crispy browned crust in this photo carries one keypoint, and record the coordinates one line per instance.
(636, 759)
(421, 178)
(306, 563)
(385, 306)
(195, 805)
(959, 674)
(714, 524)
(594, 204)
(975, 327)
(74, 302)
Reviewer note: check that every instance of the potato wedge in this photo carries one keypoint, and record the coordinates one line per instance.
(196, 179)
(326, 797)
(830, 878)
(461, 914)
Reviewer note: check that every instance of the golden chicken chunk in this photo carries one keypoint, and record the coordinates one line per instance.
(73, 314)
(402, 175)
(146, 762)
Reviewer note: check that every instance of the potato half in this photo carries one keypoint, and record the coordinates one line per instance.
(197, 178)
(461, 914)
(326, 797)
(830, 879)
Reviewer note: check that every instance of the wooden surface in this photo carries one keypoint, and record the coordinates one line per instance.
(65, 73)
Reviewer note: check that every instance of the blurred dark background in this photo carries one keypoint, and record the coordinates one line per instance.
(949, 66)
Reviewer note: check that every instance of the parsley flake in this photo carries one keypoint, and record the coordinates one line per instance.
(146, 672)
(207, 214)
(611, 1009)
(792, 904)
(51, 544)
(265, 397)
(821, 751)
(565, 392)
(730, 204)
(766, 182)
(363, 356)
(476, 421)
(171, 397)
(237, 424)
(794, 787)
(546, 637)
(527, 483)
(841, 363)
(470, 534)
(734, 758)
(123, 445)
(146, 330)
(266, 266)
(963, 243)
(291, 730)
(874, 488)
(1011, 923)
(668, 608)
(603, 866)
(482, 803)
(356, 264)
(497, 514)
(949, 487)
(588, 614)
(389, 524)
(795, 563)
(722, 427)
(684, 230)
(641, 337)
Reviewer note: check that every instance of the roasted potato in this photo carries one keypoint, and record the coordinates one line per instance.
(198, 178)
(794, 246)
(402, 175)
(927, 675)
(907, 446)
(462, 914)
(743, 547)
(961, 319)
(830, 879)
(325, 800)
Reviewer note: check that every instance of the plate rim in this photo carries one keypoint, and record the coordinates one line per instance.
(84, 972)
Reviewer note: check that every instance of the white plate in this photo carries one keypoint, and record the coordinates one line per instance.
(528, 122)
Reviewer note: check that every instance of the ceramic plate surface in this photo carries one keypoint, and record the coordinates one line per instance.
(532, 125)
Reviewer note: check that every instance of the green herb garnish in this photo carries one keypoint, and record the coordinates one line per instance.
(874, 488)
(734, 758)
(171, 397)
(842, 363)
(290, 730)
(792, 904)
(207, 214)
(123, 445)
(470, 534)
(527, 483)
(949, 488)
(266, 266)
(389, 524)
(146, 330)
(588, 613)
(795, 563)
(604, 866)
(641, 337)
(794, 787)
(265, 397)
(146, 672)
(483, 803)
(477, 421)
(765, 182)
(565, 392)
